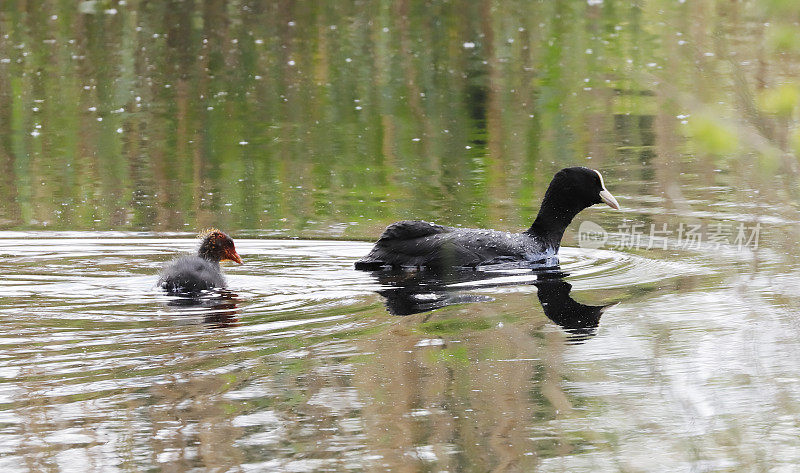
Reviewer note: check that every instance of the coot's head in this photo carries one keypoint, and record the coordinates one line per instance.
(580, 187)
(217, 247)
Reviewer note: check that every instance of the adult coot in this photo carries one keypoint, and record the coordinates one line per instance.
(416, 243)
(192, 274)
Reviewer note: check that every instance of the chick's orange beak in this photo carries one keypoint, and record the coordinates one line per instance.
(232, 255)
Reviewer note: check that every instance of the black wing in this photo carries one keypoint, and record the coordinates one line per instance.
(411, 229)
(405, 243)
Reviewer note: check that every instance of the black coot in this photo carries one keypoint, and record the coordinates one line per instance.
(192, 274)
(415, 243)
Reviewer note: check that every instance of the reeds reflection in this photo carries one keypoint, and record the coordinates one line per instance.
(304, 120)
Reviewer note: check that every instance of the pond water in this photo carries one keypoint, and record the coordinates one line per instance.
(668, 339)
(681, 362)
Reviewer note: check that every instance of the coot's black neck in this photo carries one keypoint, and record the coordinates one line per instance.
(557, 211)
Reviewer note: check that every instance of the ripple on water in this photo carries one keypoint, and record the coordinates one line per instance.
(597, 269)
(87, 334)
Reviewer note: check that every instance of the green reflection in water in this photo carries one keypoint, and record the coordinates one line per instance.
(298, 119)
(309, 119)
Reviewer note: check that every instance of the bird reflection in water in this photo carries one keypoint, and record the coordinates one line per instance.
(580, 321)
(219, 308)
(421, 291)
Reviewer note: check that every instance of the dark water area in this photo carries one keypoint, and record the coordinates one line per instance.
(666, 341)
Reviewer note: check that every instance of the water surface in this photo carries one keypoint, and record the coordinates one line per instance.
(302, 366)
(303, 129)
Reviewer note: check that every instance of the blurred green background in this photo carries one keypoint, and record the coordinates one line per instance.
(332, 119)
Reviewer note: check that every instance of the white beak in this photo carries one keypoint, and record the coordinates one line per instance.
(609, 199)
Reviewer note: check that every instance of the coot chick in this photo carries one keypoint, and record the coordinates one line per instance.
(192, 274)
(415, 243)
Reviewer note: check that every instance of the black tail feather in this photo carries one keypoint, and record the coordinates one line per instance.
(369, 265)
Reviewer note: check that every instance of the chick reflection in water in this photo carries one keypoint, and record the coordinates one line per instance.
(219, 310)
(413, 293)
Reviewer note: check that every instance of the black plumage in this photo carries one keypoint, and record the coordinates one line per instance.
(193, 274)
(416, 243)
